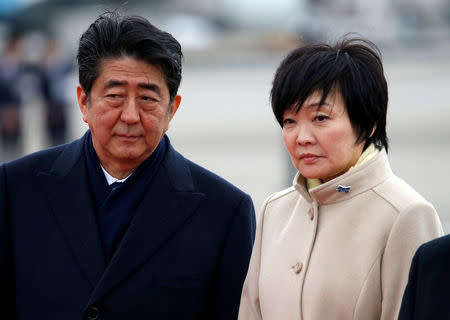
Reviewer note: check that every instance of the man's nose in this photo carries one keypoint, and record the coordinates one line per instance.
(304, 135)
(130, 113)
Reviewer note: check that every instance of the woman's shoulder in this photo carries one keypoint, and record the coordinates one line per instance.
(281, 203)
(278, 208)
(400, 194)
(288, 194)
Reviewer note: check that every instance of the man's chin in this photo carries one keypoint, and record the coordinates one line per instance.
(126, 155)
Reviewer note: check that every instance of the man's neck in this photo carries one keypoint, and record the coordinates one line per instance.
(117, 171)
(110, 179)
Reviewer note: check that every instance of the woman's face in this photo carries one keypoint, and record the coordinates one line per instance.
(321, 140)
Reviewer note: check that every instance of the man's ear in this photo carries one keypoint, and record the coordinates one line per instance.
(82, 102)
(174, 106)
(172, 110)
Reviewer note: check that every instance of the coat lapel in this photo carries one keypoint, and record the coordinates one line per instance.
(67, 190)
(167, 205)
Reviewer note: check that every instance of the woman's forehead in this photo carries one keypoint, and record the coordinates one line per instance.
(316, 100)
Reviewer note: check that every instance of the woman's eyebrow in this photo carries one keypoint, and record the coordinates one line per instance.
(316, 104)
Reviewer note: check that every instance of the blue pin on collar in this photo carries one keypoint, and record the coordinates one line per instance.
(346, 189)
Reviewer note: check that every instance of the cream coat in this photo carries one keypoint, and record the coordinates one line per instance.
(341, 256)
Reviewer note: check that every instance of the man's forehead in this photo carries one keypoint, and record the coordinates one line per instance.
(128, 70)
(129, 66)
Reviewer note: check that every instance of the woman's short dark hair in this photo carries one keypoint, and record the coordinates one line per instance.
(115, 36)
(353, 67)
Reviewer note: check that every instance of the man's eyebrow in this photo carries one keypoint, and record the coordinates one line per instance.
(150, 86)
(118, 83)
(114, 83)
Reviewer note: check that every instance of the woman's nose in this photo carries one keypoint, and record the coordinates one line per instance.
(304, 135)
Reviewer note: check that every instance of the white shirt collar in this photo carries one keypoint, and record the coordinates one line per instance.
(110, 179)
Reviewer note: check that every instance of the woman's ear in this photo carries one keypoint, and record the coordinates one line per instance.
(373, 131)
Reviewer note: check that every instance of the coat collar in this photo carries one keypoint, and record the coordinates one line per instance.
(360, 179)
(167, 205)
(169, 202)
(66, 188)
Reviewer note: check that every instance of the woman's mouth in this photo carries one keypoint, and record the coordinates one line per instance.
(308, 158)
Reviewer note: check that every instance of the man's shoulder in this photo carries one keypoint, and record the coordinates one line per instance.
(433, 257)
(439, 247)
(210, 180)
(210, 183)
(42, 160)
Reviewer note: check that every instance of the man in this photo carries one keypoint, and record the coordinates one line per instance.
(172, 241)
(426, 294)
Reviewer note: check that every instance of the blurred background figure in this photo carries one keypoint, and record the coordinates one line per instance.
(55, 67)
(10, 124)
(232, 48)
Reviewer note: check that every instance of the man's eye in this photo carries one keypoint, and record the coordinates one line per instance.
(146, 98)
(113, 96)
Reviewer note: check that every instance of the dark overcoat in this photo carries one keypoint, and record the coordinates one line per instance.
(426, 294)
(184, 256)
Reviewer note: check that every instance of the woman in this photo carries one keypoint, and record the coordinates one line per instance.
(339, 243)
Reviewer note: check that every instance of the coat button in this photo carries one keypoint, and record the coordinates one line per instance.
(92, 313)
(297, 267)
(311, 213)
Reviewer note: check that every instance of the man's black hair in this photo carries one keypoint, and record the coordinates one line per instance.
(116, 36)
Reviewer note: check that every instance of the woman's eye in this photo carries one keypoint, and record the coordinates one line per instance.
(287, 121)
(321, 118)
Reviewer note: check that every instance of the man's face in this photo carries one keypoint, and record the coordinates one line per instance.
(127, 111)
